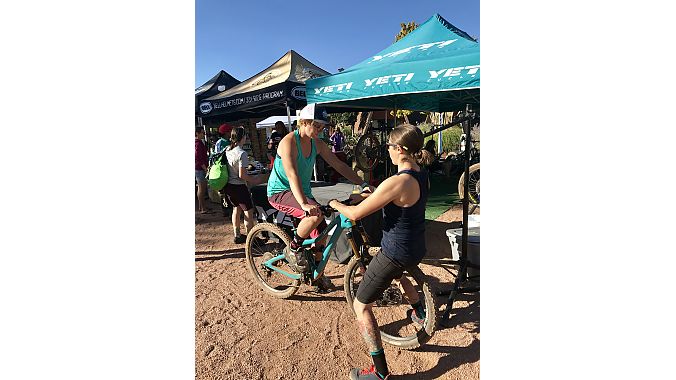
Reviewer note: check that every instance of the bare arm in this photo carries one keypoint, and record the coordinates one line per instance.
(336, 163)
(384, 194)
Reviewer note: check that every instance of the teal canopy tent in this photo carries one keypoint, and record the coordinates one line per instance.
(433, 68)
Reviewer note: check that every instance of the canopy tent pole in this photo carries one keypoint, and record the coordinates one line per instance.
(465, 200)
(439, 143)
(288, 114)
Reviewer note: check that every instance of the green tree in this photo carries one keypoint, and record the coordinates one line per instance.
(345, 118)
(406, 28)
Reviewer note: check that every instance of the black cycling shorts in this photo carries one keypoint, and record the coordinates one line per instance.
(378, 277)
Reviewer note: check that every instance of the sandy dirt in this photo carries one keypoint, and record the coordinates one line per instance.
(243, 333)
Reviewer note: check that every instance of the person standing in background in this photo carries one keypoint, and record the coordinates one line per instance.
(237, 190)
(201, 164)
(223, 142)
(273, 142)
(337, 140)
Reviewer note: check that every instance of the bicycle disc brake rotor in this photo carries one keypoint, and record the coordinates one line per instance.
(391, 296)
(367, 151)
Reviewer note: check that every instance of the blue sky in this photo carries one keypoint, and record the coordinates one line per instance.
(245, 37)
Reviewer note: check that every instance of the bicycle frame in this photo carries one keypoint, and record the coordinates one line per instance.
(340, 223)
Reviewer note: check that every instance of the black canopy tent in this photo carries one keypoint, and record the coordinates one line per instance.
(217, 84)
(279, 88)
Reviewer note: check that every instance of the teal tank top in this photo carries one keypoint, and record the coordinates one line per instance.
(278, 180)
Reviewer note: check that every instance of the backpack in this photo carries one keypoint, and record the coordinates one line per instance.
(218, 172)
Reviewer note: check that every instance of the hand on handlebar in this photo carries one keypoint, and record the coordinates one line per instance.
(311, 210)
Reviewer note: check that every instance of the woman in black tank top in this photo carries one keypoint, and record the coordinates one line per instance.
(402, 198)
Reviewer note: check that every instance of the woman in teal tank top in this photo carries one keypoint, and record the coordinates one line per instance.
(289, 183)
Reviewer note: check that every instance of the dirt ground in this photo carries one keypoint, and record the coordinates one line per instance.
(243, 333)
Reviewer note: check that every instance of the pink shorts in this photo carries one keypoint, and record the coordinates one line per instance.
(286, 203)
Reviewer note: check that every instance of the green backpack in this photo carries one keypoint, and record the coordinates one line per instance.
(218, 172)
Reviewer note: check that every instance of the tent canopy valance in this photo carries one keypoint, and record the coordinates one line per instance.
(267, 93)
(219, 83)
(433, 68)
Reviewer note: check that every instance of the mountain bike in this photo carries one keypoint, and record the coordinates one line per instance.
(265, 246)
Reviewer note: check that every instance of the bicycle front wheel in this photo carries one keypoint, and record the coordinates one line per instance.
(392, 310)
(265, 242)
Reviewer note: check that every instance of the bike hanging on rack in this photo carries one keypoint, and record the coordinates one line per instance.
(473, 181)
(369, 151)
(266, 262)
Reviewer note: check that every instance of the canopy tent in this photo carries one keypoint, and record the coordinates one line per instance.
(433, 68)
(267, 93)
(219, 83)
(270, 122)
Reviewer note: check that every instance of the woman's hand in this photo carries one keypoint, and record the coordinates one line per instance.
(312, 210)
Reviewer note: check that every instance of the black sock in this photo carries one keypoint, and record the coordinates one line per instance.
(420, 311)
(380, 362)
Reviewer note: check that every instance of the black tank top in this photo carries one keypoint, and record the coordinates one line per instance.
(404, 227)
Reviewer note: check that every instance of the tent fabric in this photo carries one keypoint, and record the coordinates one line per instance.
(211, 87)
(268, 92)
(270, 122)
(218, 83)
(433, 68)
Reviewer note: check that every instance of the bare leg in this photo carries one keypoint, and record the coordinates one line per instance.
(236, 212)
(367, 325)
(308, 224)
(201, 193)
(408, 289)
(248, 220)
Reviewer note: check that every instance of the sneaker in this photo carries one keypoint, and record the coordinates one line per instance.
(240, 239)
(296, 259)
(366, 374)
(323, 285)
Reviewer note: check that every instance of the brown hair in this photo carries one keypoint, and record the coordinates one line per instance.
(411, 139)
(235, 135)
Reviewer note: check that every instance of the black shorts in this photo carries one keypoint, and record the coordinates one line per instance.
(238, 195)
(378, 277)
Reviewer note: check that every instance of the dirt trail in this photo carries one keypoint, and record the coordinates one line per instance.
(243, 333)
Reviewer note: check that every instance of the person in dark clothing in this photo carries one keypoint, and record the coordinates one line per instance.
(273, 142)
(201, 164)
(403, 198)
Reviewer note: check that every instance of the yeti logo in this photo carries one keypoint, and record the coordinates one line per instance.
(205, 107)
(298, 92)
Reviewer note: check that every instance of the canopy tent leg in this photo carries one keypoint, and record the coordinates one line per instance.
(288, 115)
(461, 277)
(439, 143)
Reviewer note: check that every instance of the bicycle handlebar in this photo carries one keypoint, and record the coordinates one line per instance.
(327, 210)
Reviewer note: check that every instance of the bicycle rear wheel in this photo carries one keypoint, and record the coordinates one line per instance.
(264, 242)
(392, 311)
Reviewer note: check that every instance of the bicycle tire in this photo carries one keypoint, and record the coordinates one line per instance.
(473, 184)
(408, 342)
(367, 152)
(265, 231)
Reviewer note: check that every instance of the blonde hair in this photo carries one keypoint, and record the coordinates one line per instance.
(411, 140)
